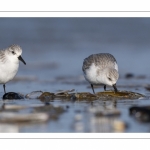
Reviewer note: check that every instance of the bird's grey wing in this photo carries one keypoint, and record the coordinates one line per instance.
(2, 56)
(103, 60)
(87, 63)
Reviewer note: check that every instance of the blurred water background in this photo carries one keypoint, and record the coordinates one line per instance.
(54, 49)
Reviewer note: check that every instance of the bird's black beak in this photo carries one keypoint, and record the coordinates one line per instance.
(21, 59)
(115, 88)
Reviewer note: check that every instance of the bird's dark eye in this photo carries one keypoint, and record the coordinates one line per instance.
(109, 79)
(13, 52)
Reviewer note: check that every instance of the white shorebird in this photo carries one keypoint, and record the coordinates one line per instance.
(101, 69)
(9, 63)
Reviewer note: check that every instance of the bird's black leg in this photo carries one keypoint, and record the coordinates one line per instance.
(105, 87)
(92, 88)
(115, 88)
(4, 88)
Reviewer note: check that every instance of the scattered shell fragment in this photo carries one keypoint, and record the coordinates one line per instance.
(65, 91)
(14, 107)
(64, 94)
(7, 128)
(18, 118)
(34, 94)
(12, 95)
(108, 113)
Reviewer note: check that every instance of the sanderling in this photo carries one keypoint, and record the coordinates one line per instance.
(101, 69)
(9, 63)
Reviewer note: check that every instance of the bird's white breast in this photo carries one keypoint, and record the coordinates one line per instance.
(91, 74)
(8, 71)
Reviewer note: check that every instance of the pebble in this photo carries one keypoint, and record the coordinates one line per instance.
(12, 95)
(129, 75)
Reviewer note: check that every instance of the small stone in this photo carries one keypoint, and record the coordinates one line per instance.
(129, 75)
(12, 95)
(141, 113)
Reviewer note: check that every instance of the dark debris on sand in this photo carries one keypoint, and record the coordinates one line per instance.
(71, 95)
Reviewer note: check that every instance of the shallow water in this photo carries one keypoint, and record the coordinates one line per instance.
(54, 49)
